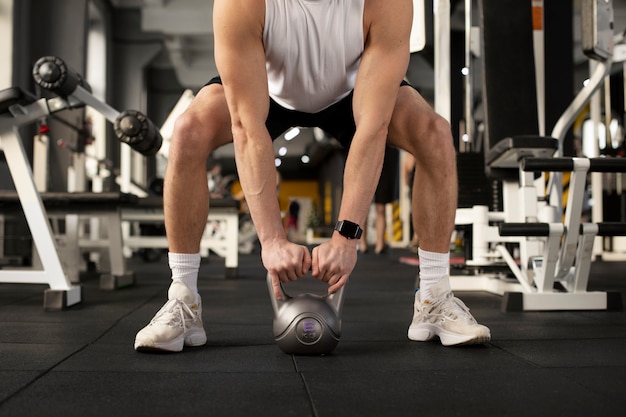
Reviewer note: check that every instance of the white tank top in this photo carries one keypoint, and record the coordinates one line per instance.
(313, 49)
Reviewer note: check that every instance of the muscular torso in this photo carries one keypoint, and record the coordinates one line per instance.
(313, 50)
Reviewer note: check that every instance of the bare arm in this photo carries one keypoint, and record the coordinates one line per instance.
(383, 67)
(240, 58)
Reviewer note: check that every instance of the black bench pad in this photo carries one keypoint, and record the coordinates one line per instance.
(508, 152)
(73, 202)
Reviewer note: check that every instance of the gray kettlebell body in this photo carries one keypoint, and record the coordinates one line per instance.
(307, 324)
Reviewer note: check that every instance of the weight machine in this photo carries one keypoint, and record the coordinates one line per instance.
(19, 108)
(547, 251)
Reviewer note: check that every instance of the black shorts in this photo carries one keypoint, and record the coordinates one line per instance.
(336, 120)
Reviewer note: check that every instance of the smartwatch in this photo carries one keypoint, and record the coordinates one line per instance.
(348, 229)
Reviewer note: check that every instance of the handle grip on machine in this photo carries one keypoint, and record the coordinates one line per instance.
(53, 74)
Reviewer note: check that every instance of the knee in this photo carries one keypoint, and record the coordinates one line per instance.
(189, 141)
(432, 143)
(439, 134)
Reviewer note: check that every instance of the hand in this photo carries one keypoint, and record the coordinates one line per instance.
(333, 262)
(285, 261)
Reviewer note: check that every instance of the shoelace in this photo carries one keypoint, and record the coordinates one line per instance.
(173, 312)
(454, 306)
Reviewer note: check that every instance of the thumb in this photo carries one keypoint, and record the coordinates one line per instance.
(306, 262)
(315, 267)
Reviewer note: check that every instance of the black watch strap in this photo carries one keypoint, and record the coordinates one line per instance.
(349, 229)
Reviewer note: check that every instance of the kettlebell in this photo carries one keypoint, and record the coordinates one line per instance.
(307, 324)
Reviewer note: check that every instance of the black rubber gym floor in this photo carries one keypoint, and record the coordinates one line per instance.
(81, 362)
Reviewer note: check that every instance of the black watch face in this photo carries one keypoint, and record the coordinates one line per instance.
(349, 229)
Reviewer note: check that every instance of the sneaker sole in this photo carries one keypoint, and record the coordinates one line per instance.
(426, 333)
(172, 346)
(197, 338)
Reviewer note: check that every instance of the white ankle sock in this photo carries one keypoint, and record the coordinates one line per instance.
(185, 268)
(433, 268)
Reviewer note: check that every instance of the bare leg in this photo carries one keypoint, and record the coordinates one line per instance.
(199, 131)
(427, 136)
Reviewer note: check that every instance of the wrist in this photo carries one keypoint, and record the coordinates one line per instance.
(273, 239)
(346, 244)
(348, 230)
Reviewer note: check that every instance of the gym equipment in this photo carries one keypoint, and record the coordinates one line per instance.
(19, 108)
(547, 250)
(113, 273)
(220, 234)
(131, 126)
(307, 324)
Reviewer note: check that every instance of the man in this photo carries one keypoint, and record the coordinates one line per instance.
(338, 65)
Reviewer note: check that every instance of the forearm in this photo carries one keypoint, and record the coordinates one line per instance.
(383, 65)
(254, 155)
(240, 58)
(361, 175)
(382, 68)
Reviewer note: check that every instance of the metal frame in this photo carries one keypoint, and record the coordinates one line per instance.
(62, 292)
(221, 234)
(553, 271)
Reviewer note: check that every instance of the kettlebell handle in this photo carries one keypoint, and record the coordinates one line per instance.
(335, 299)
(275, 301)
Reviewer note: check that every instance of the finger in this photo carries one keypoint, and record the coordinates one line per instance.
(278, 292)
(281, 276)
(334, 279)
(291, 274)
(315, 263)
(325, 275)
(336, 286)
(306, 261)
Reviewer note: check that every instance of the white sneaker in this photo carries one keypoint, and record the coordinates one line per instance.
(178, 323)
(447, 317)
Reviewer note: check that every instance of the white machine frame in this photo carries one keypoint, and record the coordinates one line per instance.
(21, 109)
(62, 292)
(554, 254)
(221, 234)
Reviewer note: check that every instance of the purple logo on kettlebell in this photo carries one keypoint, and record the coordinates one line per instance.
(309, 330)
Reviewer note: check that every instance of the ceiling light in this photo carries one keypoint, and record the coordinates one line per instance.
(292, 133)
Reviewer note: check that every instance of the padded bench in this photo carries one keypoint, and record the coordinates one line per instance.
(76, 202)
(221, 234)
(71, 206)
(502, 161)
